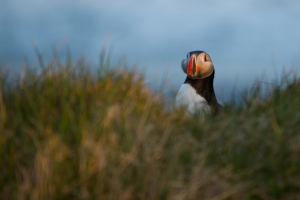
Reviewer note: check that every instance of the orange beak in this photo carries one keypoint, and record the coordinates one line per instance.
(190, 66)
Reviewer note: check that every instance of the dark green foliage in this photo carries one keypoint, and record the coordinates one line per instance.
(66, 133)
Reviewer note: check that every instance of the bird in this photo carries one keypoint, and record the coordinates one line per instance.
(197, 91)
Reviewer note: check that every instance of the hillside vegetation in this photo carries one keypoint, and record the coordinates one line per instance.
(68, 133)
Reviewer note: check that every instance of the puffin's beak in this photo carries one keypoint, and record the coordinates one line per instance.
(191, 66)
(199, 66)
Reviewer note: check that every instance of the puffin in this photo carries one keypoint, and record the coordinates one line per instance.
(197, 91)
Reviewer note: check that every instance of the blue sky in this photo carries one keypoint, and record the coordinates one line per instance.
(244, 39)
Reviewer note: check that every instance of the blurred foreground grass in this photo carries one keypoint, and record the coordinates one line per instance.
(67, 133)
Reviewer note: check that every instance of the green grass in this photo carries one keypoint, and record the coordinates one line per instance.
(68, 133)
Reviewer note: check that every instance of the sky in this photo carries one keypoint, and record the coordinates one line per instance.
(245, 39)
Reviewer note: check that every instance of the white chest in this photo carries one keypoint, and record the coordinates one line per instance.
(187, 96)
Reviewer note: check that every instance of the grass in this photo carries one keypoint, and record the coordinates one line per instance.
(68, 133)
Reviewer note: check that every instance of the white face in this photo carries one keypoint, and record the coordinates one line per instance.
(200, 66)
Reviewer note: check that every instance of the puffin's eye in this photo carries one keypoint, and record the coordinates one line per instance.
(207, 58)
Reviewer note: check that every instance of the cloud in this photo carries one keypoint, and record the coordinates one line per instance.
(239, 36)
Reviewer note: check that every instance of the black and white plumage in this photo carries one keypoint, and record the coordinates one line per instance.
(197, 91)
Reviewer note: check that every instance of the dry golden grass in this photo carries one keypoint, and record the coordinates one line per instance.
(67, 133)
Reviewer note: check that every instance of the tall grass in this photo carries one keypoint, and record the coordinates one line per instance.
(68, 133)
